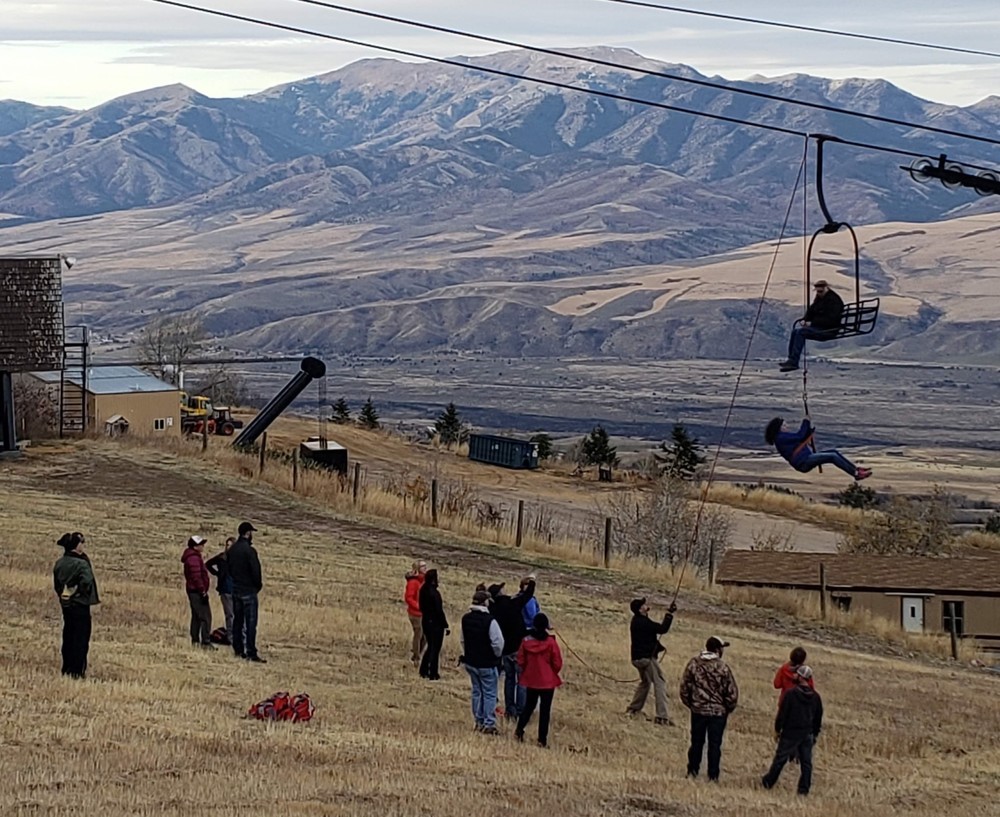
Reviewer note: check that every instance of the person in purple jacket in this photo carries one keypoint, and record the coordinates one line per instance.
(796, 448)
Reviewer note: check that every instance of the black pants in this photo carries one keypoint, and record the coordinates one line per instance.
(201, 618)
(531, 699)
(713, 727)
(75, 639)
(432, 653)
(244, 634)
(789, 746)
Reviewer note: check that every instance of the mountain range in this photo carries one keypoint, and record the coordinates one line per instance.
(392, 207)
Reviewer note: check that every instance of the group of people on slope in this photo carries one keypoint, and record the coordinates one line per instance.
(238, 582)
(500, 635)
(237, 571)
(709, 690)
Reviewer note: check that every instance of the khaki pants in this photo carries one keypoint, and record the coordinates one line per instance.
(418, 638)
(649, 673)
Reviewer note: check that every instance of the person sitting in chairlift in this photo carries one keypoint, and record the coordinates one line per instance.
(821, 321)
(795, 447)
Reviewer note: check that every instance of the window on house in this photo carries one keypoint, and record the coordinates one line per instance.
(956, 609)
(843, 602)
(159, 424)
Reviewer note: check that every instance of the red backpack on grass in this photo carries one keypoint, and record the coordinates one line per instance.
(282, 706)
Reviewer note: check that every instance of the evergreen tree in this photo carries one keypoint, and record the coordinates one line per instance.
(683, 456)
(449, 425)
(596, 448)
(544, 445)
(368, 416)
(341, 412)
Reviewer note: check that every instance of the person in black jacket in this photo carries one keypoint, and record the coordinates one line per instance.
(244, 571)
(646, 648)
(798, 724)
(820, 322)
(218, 566)
(509, 613)
(435, 624)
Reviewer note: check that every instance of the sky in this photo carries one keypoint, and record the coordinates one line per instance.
(79, 54)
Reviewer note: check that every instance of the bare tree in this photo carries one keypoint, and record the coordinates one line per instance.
(222, 386)
(904, 526)
(36, 408)
(170, 342)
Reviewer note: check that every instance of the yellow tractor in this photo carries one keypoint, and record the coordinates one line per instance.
(197, 410)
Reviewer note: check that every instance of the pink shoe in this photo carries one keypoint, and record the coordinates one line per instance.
(862, 473)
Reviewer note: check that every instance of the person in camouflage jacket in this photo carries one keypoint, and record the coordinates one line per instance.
(709, 690)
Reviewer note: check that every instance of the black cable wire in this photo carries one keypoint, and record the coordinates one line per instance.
(814, 29)
(471, 66)
(647, 71)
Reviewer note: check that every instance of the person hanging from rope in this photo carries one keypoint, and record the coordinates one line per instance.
(795, 447)
(821, 322)
(646, 648)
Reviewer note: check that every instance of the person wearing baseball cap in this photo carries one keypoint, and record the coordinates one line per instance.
(244, 570)
(821, 321)
(709, 690)
(798, 724)
(196, 582)
(645, 650)
(482, 646)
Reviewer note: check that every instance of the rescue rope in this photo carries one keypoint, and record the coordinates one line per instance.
(596, 672)
(739, 376)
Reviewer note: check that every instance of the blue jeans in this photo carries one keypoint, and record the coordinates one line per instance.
(244, 635)
(513, 693)
(799, 336)
(832, 457)
(484, 695)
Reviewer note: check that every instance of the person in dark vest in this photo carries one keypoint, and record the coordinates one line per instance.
(76, 589)
(435, 625)
(646, 648)
(540, 660)
(798, 724)
(196, 583)
(482, 646)
(244, 570)
(821, 322)
(509, 613)
(218, 566)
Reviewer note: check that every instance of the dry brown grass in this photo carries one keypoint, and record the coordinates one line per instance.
(157, 727)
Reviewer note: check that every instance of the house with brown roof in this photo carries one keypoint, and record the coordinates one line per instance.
(921, 593)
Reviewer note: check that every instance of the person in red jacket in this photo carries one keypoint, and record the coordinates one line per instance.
(540, 662)
(196, 583)
(414, 581)
(787, 677)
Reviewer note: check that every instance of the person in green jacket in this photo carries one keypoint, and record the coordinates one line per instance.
(76, 588)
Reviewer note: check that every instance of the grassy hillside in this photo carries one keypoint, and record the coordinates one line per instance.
(157, 728)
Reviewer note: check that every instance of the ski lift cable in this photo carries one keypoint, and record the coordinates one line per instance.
(469, 65)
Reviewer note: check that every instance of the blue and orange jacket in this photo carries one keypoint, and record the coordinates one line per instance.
(794, 446)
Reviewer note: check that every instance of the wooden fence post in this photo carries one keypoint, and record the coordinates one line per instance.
(204, 435)
(434, 502)
(520, 523)
(607, 541)
(263, 452)
(822, 590)
(357, 481)
(295, 469)
(952, 629)
(711, 562)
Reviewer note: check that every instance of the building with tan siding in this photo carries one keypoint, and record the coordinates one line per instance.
(917, 592)
(114, 394)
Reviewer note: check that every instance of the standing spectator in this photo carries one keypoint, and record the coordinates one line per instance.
(482, 646)
(435, 625)
(218, 566)
(197, 584)
(798, 724)
(709, 690)
(76, 588)
(540, 661)
(787, 677)
(244, 570)
(646, 648)
(531, 607)
(414, 581)
(509, 613)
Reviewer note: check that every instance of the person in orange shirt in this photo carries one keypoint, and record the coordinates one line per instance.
(787, 678)
(414, 581)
